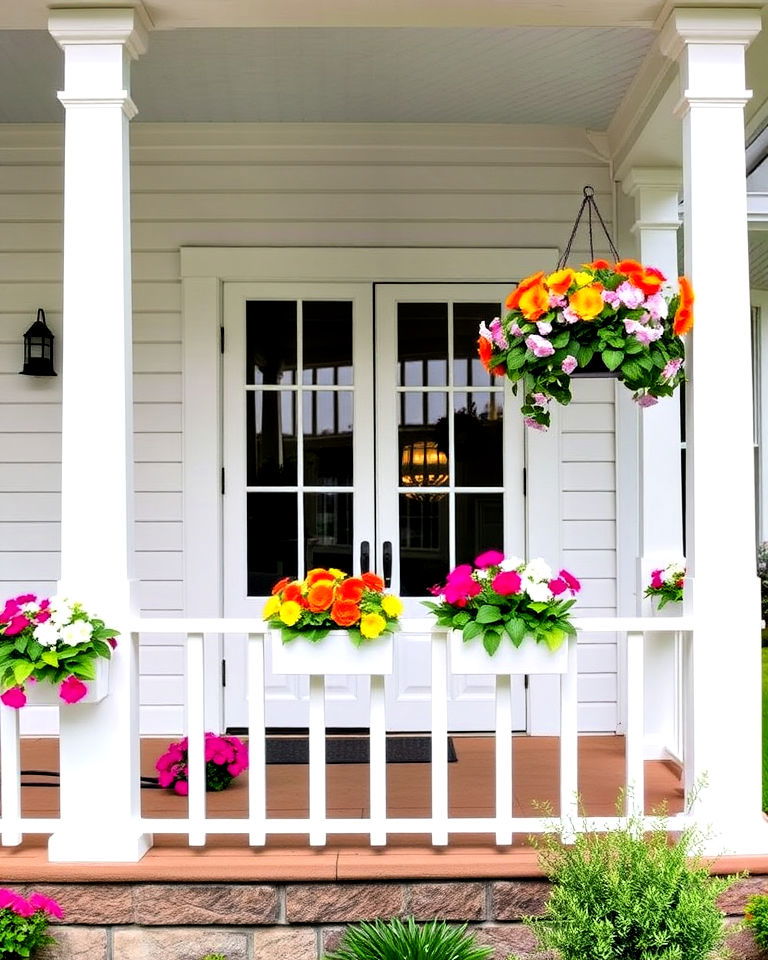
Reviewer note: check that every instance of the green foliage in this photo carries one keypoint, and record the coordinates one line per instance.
(20, 937)
(395, 940)
(756, 917)
(762, 573)
(213, 956)
(630, 895)
(764, 653)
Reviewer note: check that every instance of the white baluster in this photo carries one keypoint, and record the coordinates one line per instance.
(196, 739)
(378, 764)
(257, 775)
(317, 793)
(634, 735)
(439, 738)
(503, 759)
(569, 744)
(10, 776)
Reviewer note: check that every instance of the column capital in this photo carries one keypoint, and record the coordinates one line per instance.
(127, 26)
(707, 25)
(655, 178)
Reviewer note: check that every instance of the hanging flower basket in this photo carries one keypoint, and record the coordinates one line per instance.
(620, 318)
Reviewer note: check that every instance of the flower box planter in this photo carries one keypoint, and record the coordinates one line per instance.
(670, 609)
(334, 654)
(530, 657)
(47, 694)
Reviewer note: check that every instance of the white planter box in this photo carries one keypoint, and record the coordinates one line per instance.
(472, 658)
(47, 694)
(668, 610)
(335, 654)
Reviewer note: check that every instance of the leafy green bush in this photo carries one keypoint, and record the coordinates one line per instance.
(630, 895)
(395, 940)
(213, 956)
(756, 917)
(762, 573)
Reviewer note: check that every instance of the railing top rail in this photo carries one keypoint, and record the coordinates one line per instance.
(408, 625)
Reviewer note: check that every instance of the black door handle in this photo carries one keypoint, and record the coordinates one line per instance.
(387, 560)
(365, 557)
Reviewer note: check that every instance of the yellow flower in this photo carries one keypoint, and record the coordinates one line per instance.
(371, 625)
(587, 303)
(270, 608)
(338, 574)
(582, 278)
(559, 281)
(290, 612)
(391, 605)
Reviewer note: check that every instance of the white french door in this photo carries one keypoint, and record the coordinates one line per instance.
(360, 429)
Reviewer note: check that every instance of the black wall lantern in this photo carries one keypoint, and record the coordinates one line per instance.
(38, 349)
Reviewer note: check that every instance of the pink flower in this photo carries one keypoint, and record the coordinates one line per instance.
(14, 697)
(646, 335)
(165, 778)
(538, 346)
(534, 424)
(543, 327)
(112, 642)
(436, 590)
(656, 580)
(630, 295)
(610, 297)
(646, 399)
(515, 329)
(569, 316)
(51, 907)
(10, 610)
(573, 584)
(182, 788)
(569, 364)
(507, 583)
(558, 586)
(72, 690)
(458, 590)
(9, 900)
(670, 370)
(26, 598)
(491, 558)
(459, 573)
(17, 624)
(43, 616)
(556, 300)
(497, 334)
(541, 400)
(657, 306)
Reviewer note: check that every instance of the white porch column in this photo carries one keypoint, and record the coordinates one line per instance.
(722, 593)
(656, 194)
(98, 742)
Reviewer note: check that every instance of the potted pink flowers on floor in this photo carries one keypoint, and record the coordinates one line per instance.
(225, 758)
(24, 923)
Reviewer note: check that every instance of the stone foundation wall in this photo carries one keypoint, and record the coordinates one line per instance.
(298, 921)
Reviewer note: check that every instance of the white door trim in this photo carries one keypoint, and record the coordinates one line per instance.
(203, 270)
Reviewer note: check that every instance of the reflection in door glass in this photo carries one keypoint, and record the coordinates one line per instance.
(327, 342)
(327, 431)
(424, 542)
(272, 537)
(271, 438)
(467, 317)
(328, 530)
(423, 440)
(422, 344)
(479, 524)
(478, 438)
(270, 341)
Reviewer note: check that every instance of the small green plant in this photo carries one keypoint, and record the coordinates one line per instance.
(756, 918)
(24, 923)
(630, 894)
(213, 956)
(762, 574)
(395, 940)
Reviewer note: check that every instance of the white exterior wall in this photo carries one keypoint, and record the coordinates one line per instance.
(284, 185)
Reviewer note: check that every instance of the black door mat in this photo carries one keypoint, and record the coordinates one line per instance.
(354, 750)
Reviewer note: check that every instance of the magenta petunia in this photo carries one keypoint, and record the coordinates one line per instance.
(459, 573)
(14, 697)
(490, 558)
(656, 580)
(182, 788)
(558, 586)
(507, 583)
(571, 581)
(16, 625)
(9, 900)
(72, 690)
(51, 907)
(9, 611)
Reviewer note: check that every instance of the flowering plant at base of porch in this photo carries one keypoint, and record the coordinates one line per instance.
(625, 316)
(23, 923)
(667, 583)
(225, 759)
(328, 600)
(50, 641)
(507, 598)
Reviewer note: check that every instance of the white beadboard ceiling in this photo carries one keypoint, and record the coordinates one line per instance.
(564, 76)
(758, 259)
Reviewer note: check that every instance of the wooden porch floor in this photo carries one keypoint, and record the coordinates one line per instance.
(471, 786)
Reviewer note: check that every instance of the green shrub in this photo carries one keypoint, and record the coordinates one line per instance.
(756, 917)
(213, 956)
(395, 940)
(629, 895)
(762, 573)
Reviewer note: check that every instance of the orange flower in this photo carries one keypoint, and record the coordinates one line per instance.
(534, 302)
(498, 371)
(293, 592)
(320, 596)
(350, 590)
(629, 266)
(587, 302)
(484, 349)
(684, 316)
(559, 281)
(598, 265)
(313, 576)
(279, 585)
(649, 281)
(373, 581)
(345, 613)
(513, 300)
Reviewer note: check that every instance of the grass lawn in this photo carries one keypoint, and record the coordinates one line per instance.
(765, 727)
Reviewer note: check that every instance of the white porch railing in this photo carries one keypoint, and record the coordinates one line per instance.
(257, 826)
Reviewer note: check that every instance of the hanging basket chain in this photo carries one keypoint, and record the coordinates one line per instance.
(591, 205)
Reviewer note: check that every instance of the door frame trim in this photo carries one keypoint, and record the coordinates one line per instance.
(203, 272)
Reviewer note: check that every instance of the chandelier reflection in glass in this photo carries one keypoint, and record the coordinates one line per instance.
(423, 464)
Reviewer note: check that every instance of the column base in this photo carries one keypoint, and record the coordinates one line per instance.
(740, 837)
(83, 845)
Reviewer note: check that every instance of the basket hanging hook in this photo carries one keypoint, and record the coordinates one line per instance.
(589, 203)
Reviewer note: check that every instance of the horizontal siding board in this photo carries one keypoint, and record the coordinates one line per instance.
(590, 563)
(157, 448)
(597, 687)
(155, 476)
(29, 566)
(155, 417)
(157, 357)
(161, 691)
(161, 661)
(158, 506)
(588, 418)
(594, 447)
(29, 506)
(598, 718)
(589, 534)
(162, 535)
(159, 565)
(30, 477)
(593, 389)
(157, 387)
(588, 476)
(598, 592)
(29, 390)
(160, 595)
(30, 447)
(156, 328)
(588, 506)
(597, 657)
(30, 535)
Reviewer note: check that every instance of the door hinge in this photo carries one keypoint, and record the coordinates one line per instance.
(525, 482)
(223, 673)
(223, 482)
(221, 339)
(526, 681)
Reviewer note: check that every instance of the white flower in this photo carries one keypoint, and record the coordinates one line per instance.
(78, 632)
(482, 574)
(60, 610)
(511, 563)
(30, 607)
(539, 592)
(538, 569)
(46, 634)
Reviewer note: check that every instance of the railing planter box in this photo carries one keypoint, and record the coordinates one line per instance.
(47, 694)
(530, 657)
(668, 610)
(334, 654)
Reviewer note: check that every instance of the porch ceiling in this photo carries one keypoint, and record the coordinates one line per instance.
(573, 76)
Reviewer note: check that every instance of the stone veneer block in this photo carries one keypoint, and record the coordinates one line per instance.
(514, 938)
(177, 944)
(94, 904)
(515, 899)
(285, 943)
(447, 901)
(205, 903)
(343, 903)
(76, 943)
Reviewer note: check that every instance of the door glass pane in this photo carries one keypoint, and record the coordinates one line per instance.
(467, 369)
(423, 439)
(479, 524)
(424, 542)
(327, 437)
(272, 540)
(271, 439)
(478, 438)
(422, 344)
(270, 341)
(327, 342)
(328, 530)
